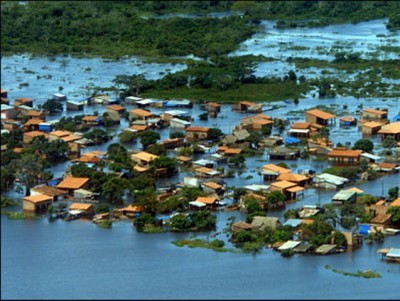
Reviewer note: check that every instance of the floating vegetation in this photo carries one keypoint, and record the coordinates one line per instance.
(215, 245)
(364, 274)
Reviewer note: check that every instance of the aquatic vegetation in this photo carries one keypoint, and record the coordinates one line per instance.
(363, 274)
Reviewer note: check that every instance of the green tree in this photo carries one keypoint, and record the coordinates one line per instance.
(393, 192)
(275, 197)
(102, 208)
(365, 145)
(395, 212)
(215, 133)
(389, 142)
(149, 137)
(52, 106)
(165, 162)
(30, 169)
(254, 138)
(113, 189)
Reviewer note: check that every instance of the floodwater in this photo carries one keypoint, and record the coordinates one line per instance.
(79, 260)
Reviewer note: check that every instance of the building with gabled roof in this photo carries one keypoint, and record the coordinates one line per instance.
(374, 114)
(73, 183)
(194, 133)
(143, 159)
(391, 129)
(319, 117)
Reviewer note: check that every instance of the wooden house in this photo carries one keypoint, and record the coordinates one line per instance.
(213, 107)
(319, 117)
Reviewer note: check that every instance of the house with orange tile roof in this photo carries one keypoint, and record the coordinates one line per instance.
(300, 180)
(172, 143)
(73, 183)
(391, 129)
(375, 115)
(37, 203)
(371, 127)
(140, 114)
(209, 201)
(212, 107)
(212, 187)
(300, 129)
(32, 125)
(130, 211)
(85, 209)
(195, 133)
(289, 189)
(139, 128)
(57, 135)
(33, 114)
(29, 136)
(247, 106)
(91, 120)
(320, 117)
(206, 172)
(143, 159)
(343, 156)
(184, 160)
(50, 191)
(8, 112)
(271, 171)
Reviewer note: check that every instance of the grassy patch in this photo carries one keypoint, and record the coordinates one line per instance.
(149, 228)
(363, 274)
(18, 215)
(199, 243)
(250, 92)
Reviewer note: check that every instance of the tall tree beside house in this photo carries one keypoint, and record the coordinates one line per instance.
(365, 145)
(7, 178)
(165, 162)
(215, 133)
(395, 212)
(30, 170)
(389, 143)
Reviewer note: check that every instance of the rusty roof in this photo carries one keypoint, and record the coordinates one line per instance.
(132, 208)
(206, 200)
(36, 134)
(141, 112)
(342, 152)
(283, 184)
(34, 113)
(301, 125)
(293, 177)
(374, 111)
(80, 206)
(233, 151)
(276, 168)
(320, 114)
(116, 107)
(89, 118)
(70, 138)
(33, 122)
(381, 218)
(346, 118)
(60, 133)
(387, 165)
(73, 183)
(49, 190)
(139, 127)
(183, 158)
(204, 169)
(197, 129)
(372, 124)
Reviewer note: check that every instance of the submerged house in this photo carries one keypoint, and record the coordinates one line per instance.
(374, 115)
(271, 171)
(37, 203)
(391, 129)
(319, 117)
(343, 156)
(73, 183)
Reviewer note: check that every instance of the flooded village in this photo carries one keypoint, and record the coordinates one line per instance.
(145, 188)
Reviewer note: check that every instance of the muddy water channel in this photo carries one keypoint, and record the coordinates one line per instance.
(121, 263)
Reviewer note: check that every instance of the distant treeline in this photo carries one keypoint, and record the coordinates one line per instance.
(117, 28)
